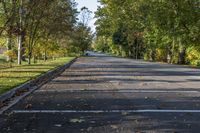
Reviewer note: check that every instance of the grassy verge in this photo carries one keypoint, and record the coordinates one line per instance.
(2, 59)
(12, 77)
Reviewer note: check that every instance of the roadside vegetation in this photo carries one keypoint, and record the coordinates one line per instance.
(157, 30)
(35, 30)
(11, 77)
(36, 36)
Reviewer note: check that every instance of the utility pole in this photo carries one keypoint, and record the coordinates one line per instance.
(20, 33)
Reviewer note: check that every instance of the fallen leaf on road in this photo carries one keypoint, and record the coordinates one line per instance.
(28, 106)
(189, 125)
(89, 128)
(125, 113)
(92, 122)
(58, 125)
(1, 104)
(8, 129)
(86, 104)
(77, 120)
(146, 98)
(114, 126)
(68, 106)
(143, 84)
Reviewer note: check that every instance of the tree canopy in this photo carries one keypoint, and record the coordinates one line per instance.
(42, 29)
(163, 30)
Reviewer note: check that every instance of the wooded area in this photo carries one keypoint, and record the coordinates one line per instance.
(32, 30)
(157, 30)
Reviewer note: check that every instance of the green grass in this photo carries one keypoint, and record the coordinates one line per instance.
(3, 63)
(2, 58)
(12, 77)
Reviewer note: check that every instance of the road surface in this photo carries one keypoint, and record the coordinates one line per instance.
(104, 94)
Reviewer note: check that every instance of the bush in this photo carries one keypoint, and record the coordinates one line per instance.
(11, 54)
(193, 55)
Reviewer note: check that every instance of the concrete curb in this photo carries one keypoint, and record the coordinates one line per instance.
(32, 85)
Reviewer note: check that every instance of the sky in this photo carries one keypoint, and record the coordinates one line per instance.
(92, 6)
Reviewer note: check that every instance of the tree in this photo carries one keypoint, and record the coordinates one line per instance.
(7, 20)
(28, 22)
(148, 28)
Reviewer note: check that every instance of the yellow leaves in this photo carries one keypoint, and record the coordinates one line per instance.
(114, 126)
(10, 53)
(193, 55)
(160, 54)
(77, 120)
(28, 106)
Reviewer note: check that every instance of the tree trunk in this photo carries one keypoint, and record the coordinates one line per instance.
(29, 58)
(129, 53)
(153, 55)
(9, 45)
(136, 49)
(34, 59)
(45, 55)
(133, 49)
(173, 51)
(23, 58)
(20, 35)
(19, 49)
(182, 53)
(121, 51)
(168, 58)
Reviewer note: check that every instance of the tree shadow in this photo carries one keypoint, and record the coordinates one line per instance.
(104, 122)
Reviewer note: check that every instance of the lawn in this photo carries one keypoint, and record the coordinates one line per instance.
(12, 77)
(2, 58)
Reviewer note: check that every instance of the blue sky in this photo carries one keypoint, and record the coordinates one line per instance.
(91, 5)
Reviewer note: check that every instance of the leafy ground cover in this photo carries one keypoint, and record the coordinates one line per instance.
(12, 77)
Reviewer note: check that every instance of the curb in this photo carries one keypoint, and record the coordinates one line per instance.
(25, 89)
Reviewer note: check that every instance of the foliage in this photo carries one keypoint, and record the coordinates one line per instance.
(161, 30)
(193, 55)
(100, 44)
(43, 33)
(83, 38)
(11, 54)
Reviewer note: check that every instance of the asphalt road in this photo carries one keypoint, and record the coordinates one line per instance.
(104, 94)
